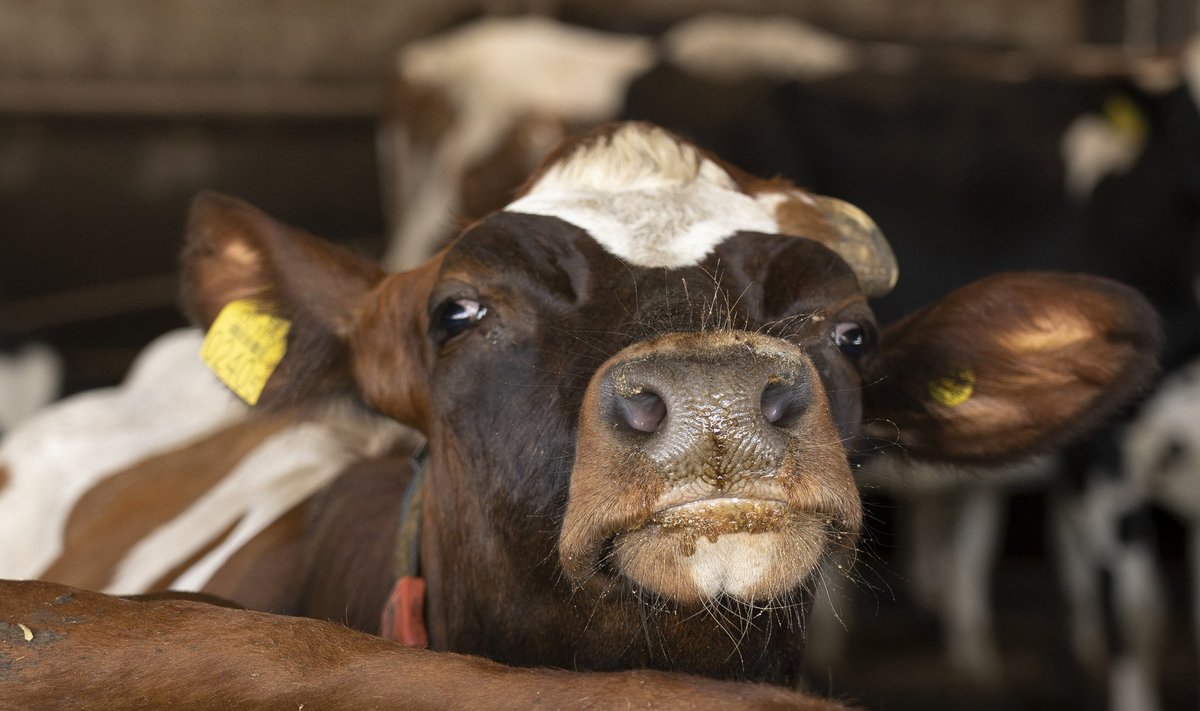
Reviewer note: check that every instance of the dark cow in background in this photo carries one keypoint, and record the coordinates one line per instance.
(973, 162)
(642, 383)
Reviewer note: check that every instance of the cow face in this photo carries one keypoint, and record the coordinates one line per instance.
(646, 375)
(694, 422)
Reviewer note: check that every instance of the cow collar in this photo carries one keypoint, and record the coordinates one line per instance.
(403, 618)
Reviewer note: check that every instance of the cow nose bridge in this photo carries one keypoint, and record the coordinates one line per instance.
(726, 400)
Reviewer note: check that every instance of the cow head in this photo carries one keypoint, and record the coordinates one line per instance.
(644, 382)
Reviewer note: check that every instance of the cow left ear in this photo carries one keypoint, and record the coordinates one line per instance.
(236, 253)
(1010, 365)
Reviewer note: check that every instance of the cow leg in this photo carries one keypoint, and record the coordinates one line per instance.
(1106, 558)
(952, 541)
(1137, 600)
(1193, 525)
(928, 530)
(970, 641)
(1077, 566)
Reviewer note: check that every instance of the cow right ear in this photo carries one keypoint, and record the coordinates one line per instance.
(236, 254)
(1010, 365)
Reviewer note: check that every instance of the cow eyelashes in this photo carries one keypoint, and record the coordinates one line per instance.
(456, 316)
(851, 338)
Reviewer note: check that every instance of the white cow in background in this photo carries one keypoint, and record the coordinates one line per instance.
(30, 377)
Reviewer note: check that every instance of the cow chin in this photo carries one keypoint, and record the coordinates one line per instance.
(753, 551)
(755, 542)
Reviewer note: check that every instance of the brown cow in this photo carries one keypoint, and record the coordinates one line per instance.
(74, 650)
(641, 385)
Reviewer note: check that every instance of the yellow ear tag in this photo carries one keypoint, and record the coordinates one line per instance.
(1124, 116)
(243, 346)
(953, 390)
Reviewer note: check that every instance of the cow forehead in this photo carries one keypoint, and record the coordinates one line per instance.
(648, 198)
(545, 257)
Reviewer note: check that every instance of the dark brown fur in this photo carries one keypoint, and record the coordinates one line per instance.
(268, 573)
(350, 546)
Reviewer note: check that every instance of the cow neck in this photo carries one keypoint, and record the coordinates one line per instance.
(403, 617)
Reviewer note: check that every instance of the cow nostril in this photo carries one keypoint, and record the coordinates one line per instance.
(781, 402)
(643, 411)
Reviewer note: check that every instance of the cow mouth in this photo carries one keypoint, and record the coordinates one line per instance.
(710, 518)
(748, 547)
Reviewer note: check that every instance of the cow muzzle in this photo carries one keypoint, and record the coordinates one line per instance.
(707, 464)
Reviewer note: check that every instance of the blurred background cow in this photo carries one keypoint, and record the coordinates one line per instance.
(981, 135)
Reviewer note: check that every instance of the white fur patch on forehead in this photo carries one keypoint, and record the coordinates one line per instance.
(646, 197)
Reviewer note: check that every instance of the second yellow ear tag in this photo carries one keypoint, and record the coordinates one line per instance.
(243, 346)
(953, 390)
(1125, 116)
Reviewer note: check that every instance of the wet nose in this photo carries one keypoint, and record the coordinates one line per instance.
(724, 391)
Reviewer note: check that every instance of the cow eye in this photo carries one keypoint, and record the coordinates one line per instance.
(457, 315)
(851, 338)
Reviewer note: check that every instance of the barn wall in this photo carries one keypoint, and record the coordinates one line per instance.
(312, 40)
(113, 112)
